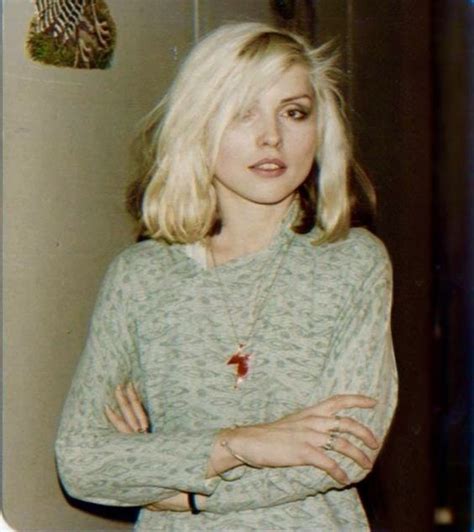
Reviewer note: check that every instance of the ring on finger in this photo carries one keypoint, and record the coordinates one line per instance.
(337, 426)
(329, 445)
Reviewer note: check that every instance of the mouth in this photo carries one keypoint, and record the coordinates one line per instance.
(269, 167)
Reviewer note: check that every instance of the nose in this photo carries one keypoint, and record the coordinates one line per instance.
(269, 133)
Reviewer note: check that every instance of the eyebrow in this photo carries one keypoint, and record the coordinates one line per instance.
(298, 97)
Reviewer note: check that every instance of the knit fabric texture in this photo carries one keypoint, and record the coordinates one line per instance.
(161, 322)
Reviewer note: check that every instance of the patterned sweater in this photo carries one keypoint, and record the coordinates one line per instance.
(161, 322)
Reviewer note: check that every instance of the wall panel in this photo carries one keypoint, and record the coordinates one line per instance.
(66, 143)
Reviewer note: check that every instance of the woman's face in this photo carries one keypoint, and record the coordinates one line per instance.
(267, 153)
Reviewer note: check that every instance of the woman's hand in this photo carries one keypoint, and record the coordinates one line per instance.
(132, 416)
(177, 503)
(300, 439)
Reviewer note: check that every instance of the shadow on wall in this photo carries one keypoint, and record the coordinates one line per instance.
(121, 514)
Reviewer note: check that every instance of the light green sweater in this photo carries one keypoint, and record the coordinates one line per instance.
(160, 321)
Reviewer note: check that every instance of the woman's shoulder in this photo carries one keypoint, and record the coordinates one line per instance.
(358, 254)
(142, 251)
(148, 257)
(363, 245)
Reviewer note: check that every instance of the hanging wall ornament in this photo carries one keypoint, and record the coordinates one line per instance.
(72, 33)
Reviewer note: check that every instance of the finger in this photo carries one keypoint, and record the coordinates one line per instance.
(126, 409)
(320, 460)
(335, 403)
(351, 426)
(153, 507)
(137, 406)
(117, 421)
(344, 425)
(345, 447)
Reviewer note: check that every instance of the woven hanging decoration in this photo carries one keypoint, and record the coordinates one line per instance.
(72, 33)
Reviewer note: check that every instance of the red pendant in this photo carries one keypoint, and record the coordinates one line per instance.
(242, 360)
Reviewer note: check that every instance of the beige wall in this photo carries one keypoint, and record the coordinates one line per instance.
(66, 139)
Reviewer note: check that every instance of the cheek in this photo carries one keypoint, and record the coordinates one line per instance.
(304, 154)
(304, 147)
(230, 147)
(234, 140)
(302, 137)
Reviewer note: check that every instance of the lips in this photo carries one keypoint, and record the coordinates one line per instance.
(269, 167)
(269, 164)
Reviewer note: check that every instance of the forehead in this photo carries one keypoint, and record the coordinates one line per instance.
(293, 82)
(287, 82)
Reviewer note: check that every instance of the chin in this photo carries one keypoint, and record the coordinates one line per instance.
(270, 199)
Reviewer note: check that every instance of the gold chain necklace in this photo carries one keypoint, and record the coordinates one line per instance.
(241, 359)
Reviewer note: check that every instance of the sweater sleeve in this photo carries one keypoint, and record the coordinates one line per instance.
(360, 361)
(95, 462)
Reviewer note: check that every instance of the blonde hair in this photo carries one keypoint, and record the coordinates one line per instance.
(174, 199)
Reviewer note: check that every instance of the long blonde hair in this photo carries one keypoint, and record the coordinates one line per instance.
(174, 197)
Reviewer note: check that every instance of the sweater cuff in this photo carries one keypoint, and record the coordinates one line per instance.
(198, 448)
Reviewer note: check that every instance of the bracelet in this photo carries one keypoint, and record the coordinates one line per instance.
(192, 504)
(240, 458)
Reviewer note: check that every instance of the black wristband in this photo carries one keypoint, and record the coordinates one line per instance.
(192, 504)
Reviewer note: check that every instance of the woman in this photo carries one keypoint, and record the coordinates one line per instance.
(253, 321)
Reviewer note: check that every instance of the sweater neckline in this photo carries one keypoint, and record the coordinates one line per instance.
(197, 251)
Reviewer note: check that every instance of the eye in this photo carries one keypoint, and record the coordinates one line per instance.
(296, 113)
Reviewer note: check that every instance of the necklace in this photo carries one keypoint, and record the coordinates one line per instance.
(240, 358)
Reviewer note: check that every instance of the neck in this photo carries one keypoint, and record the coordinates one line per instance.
(246, 227)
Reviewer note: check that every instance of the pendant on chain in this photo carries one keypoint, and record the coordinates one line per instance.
(242, 361)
